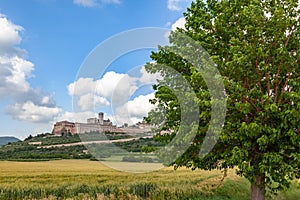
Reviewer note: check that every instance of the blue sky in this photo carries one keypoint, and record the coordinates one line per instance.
(43, 43)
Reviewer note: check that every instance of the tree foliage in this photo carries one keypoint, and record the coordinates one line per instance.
(255, 46)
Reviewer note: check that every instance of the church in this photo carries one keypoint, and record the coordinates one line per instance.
(93, 125)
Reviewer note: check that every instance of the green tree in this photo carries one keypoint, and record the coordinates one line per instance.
(148, 149)
(255, 47)
(28, 138)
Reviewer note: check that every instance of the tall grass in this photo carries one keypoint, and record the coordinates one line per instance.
(82, 179)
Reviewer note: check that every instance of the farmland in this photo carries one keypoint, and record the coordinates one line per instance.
(84, 179)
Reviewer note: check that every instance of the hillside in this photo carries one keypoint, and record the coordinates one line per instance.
(50, 147)
(7, 139)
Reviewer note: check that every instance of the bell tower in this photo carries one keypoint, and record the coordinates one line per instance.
(100, 117)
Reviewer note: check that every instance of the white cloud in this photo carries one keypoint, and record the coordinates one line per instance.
(178, 24)
(82, 86)
(74, 116)
(105, 86)
(90, 101)
(140, 106)
(92, 3)
(114, 91)
(14, 71)
(30, 104)
(134, 110)
(178, 5)
(114, 83)
(90, 93)
(30, 112)
(46, 100)
(148, 78)
(9, 34)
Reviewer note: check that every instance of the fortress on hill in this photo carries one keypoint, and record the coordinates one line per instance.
(96, 125)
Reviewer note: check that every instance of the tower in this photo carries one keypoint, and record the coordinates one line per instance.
(100, 117)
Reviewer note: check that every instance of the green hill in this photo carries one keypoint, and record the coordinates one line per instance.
(4, 140)
(46, 146)
(29, 149)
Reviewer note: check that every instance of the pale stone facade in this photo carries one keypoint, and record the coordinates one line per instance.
(92, 125)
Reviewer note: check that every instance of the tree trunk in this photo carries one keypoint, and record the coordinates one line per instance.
(258, 189)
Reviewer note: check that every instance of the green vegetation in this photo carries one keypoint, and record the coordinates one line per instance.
(148, 144)
(23, 151)
(128, 151)
(49, 139)
(82, 179)
(32, 148)
(139, 158)
(255, 47)
(148, 149)
(95, 136)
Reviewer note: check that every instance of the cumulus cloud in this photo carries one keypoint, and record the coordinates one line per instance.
(134, 110)
(14, 71)
(104, 86)
(92, 3)
(37, 96)
(82, 86)
(178, 24)
(148, 78)
(115, 90)
(30, 104)
(90, 101)
(90, 93)
(9, 34)
(115, 83)
(28, 111)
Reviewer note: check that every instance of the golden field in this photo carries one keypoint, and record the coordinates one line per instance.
(84, 179)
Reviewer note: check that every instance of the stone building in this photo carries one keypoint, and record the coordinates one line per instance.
(92, 125)
(63, 127)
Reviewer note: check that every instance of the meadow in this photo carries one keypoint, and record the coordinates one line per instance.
(84, 179)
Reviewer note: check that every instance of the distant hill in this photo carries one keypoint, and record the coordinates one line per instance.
(6, 139)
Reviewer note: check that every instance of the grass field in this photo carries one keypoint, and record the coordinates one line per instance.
(83, 179)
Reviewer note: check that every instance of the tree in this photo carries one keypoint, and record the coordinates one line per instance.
(28, 138)
(148, 149)
(255, 47)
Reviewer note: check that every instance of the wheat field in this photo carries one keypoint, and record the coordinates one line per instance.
(84, 179)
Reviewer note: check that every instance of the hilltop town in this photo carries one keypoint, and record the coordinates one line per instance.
(98, 125)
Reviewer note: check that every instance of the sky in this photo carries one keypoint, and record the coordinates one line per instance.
(45, 46)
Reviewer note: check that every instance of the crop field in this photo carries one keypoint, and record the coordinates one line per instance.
(84, 179)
